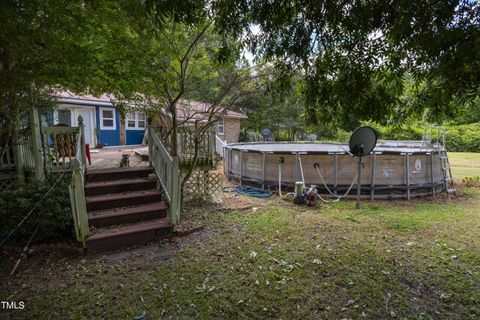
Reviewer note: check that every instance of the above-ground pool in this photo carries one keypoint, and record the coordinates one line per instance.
(393, 169)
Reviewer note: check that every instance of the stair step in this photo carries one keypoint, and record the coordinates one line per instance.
(138, 213)
(115, 186)
(115, 200)
(117, 173)
(132, 234)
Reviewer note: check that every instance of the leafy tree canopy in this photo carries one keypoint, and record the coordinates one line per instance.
(354, 55)
(46, 44)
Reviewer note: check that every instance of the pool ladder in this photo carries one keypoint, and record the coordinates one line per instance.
(436, 136)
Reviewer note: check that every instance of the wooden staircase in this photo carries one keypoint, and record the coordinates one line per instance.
(124, 208)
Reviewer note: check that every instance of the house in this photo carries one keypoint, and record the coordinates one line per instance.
(104, 126)
(102, 120)
(229, 125)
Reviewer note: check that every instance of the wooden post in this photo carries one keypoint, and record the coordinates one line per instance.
(78, 194)
(17, 154)
(71, 192)
(212, 137)
(37, 144)
(81, 127)
(175, 193)
(149, 140)
(206, 184)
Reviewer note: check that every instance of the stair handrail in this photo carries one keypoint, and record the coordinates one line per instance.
(77, 186)
(167, 170)
(428, 136)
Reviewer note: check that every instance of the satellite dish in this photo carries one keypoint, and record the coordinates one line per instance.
(312, 137)
(362, 141)
(266, 133)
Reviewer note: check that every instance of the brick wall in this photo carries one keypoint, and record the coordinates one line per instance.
(231, 130)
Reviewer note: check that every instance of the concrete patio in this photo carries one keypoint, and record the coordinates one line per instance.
(110, 157)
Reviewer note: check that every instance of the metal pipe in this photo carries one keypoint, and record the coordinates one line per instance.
(241, 166)
(230, 157)
(264, 165)
(407, 173)
(372, 183)
(297, 161)
(359, 182)
(335, 155)
(432, 171)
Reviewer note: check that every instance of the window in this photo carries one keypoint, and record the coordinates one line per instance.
(136, 120)
(130, 120)
(107, 119)
(64, 117)
(221, 126)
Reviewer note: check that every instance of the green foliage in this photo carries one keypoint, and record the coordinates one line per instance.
(460, 138)
(354, 55)
(279, 110)
(76, 45)
(53, 213)
(464, 138)
(472, 182)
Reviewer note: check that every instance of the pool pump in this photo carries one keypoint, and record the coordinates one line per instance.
(299, 195)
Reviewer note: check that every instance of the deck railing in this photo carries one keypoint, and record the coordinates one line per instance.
(76, 188)
(16, 159)
(168, 173)
(219, 146)
(7, 160)
(186, 145)
(59, 147)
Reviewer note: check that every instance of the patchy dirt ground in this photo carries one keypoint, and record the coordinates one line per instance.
(272, 259)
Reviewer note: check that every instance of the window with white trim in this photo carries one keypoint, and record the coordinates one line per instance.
(107, 119)
(64, 117)
(221, 126)
(136, 120)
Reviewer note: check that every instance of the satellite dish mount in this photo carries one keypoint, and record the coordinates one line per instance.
(266, 133)
(362, 142)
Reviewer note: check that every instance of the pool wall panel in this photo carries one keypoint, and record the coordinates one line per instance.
(393, 174)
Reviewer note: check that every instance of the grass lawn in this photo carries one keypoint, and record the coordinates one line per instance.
(412, 260)
(464, 164)
(391, 260)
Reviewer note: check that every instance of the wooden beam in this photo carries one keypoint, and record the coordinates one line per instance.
(37, 144)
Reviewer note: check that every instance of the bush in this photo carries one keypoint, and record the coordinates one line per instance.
(472, 182)
(460, 138)
(53, 213)
(464, 138)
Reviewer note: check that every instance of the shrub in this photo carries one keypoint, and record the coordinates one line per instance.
(472, 182)
(53, 213)
(460, 138)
